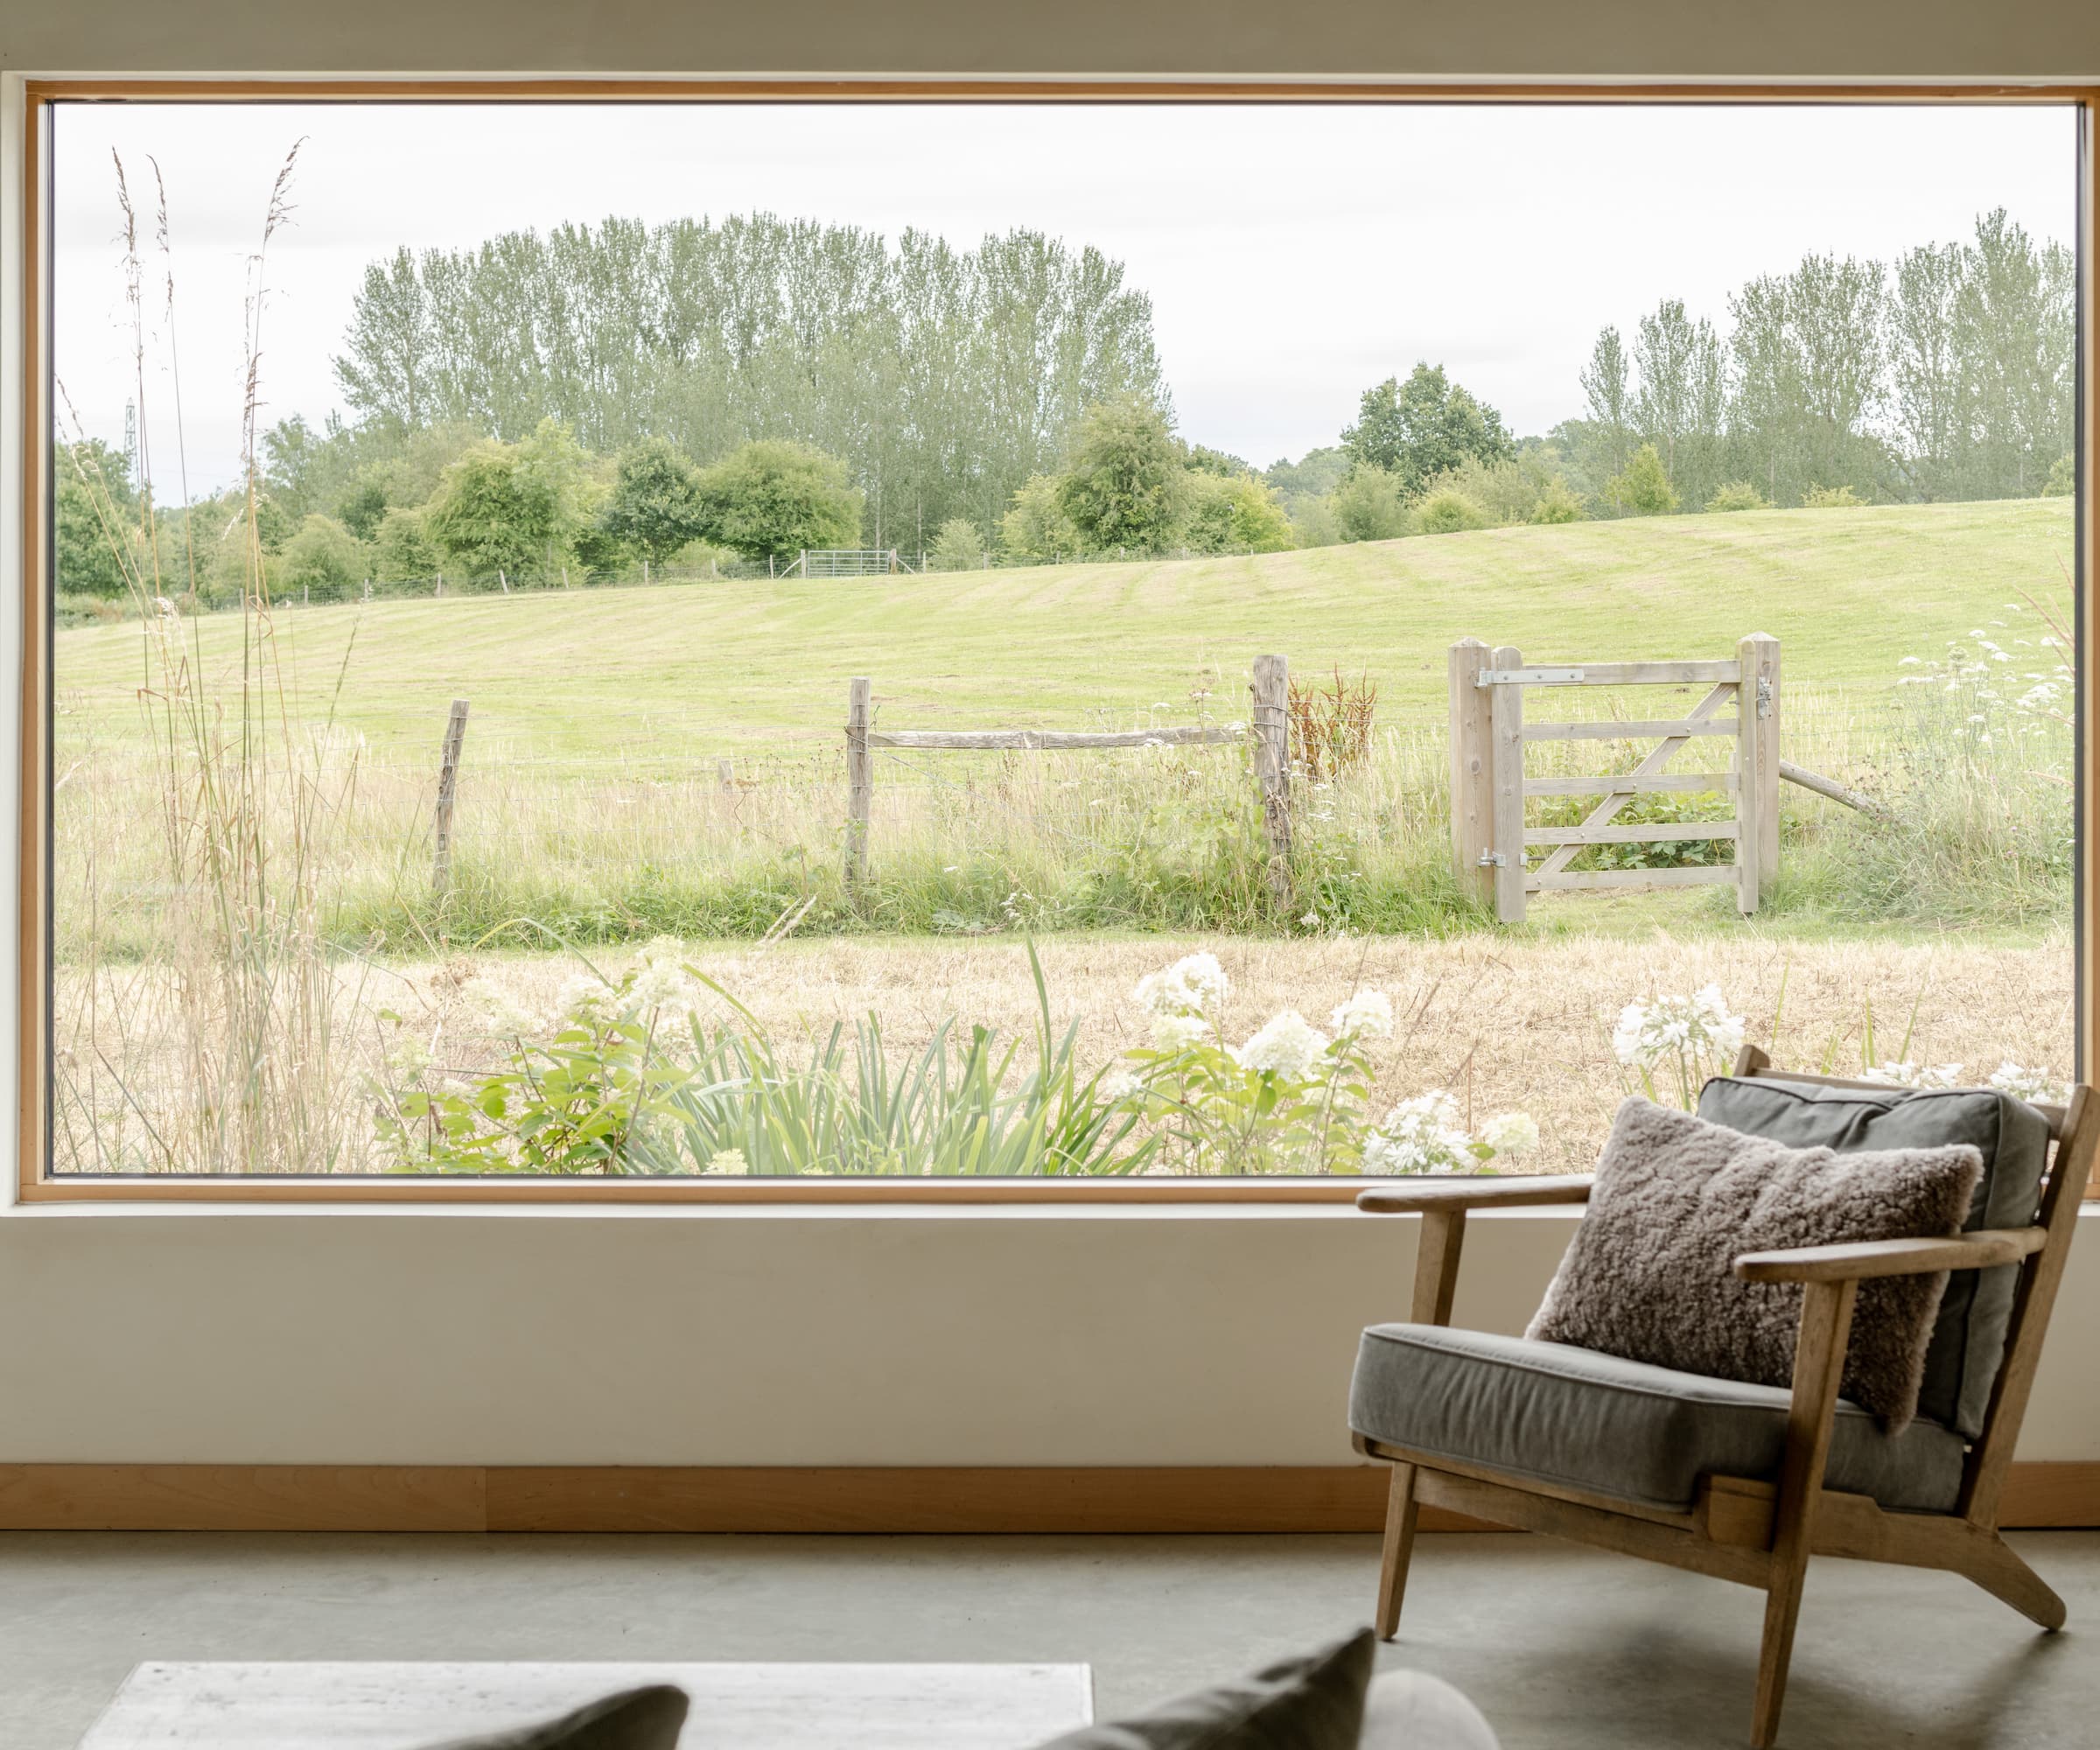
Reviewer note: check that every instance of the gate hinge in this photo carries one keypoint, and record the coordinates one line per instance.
(1493, 859)
(1764, 696)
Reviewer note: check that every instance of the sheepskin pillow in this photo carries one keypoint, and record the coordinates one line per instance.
(1649, 1274)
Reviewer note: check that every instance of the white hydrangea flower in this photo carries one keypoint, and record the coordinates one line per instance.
(1366, 1014)
(1119, 1084)
(583, 995)
(659, 984)
(2024, 1083)
(1908, 1074)
(1510, 1133)
(726, 1162)
(501, 1012)
(1692, 1027)
(1195, 984)
(407, 1055)
(1173, 1033)
(1420, 1136)
(1288, 1045)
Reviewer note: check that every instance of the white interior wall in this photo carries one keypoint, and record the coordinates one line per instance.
(1114, 1337)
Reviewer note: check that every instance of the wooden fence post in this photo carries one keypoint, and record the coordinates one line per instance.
(1505, 726)
(448, 785)
(1472, 771)
(1760, 657)
(860, 781)
(1272, 765)
(1756, 767)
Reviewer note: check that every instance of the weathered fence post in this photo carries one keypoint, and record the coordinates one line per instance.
(1760, 657)
(1506, 727)
(1272, 763)
(1472, 771)
(1756, 769)
(860, 781)
(448, 785)
(502, 579)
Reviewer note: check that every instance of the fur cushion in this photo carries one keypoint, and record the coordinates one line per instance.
(1649, 1274)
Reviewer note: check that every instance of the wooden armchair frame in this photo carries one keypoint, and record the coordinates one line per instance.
(1750, 1530)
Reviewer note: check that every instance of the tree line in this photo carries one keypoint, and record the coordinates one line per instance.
(1949, 375)
(943, 377)
(569, 409)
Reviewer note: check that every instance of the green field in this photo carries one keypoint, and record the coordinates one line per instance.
(653, 679)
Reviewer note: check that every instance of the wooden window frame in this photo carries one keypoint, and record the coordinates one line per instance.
(38, 1185)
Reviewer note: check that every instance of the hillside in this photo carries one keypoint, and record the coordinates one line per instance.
(659, 676)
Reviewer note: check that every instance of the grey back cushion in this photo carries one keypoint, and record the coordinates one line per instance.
(1968, 1338)
(1313, 1703)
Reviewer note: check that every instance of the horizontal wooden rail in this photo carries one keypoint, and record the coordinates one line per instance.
(993, 739)
(1627, 731)
(1699, 875)
(1629, 784)
(1630, 834)
(1611, 675)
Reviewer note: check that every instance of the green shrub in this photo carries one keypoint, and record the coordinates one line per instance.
(1737, 495)
(321, 562)
(1644, 488)
(404, 552)
(957, 547)
(1036, 527)
(1233, 514)
(1557, 504)
(1371, 505)
(2063, 477)
(768, 498)
(1832, 498)
(1448, 512)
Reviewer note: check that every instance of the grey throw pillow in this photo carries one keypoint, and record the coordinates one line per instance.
(1650, 1276)
(1314, 1703)
(647, 1719)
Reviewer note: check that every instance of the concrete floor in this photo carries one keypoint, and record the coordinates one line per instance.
(1561, 1648)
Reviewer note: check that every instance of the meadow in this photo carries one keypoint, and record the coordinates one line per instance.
(667, 763)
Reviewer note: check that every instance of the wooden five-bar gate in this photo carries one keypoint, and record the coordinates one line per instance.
(1491, 843)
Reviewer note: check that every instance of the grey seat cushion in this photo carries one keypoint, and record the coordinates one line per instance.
(1968, 1337)
(1553, 1413)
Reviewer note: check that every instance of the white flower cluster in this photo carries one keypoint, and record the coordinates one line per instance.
(1425, 1134)
(407, 1055)
(1183, 1000)
(1908, 1074)
(657, 982)
(726, 1163)
(1288, 1046)
(1118, 1084)
(1368, 1014)
(501, 1014)
(2023, 1083)
(1692, 1029)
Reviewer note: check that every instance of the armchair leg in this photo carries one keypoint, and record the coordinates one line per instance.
(2005, 1577)
(1782, 1612)
(1826, 1323)
(1400, 1514)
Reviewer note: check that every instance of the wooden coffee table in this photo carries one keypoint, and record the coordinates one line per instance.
(388, 1706)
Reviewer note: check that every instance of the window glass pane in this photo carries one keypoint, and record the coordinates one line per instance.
(736, 640)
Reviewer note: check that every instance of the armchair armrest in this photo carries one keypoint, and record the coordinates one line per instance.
(1455, 1196)
(1443, 1204)
(1869, 1258)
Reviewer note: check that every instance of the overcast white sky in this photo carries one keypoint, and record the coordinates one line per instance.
(1294, 256)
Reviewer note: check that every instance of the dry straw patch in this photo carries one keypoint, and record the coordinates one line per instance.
(1500, 1023)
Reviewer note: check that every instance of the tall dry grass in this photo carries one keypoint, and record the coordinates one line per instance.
(223, 1053)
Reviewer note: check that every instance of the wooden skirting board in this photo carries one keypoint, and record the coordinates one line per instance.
(781, 1500)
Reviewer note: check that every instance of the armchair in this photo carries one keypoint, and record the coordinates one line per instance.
(1742, 1482)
